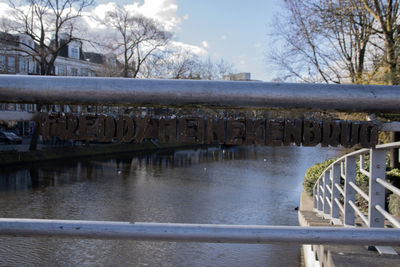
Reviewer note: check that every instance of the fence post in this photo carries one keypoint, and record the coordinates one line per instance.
(326, 193)
(335, 175)
(315, 195)
(349, 194)
(377, 169)
(320, 202)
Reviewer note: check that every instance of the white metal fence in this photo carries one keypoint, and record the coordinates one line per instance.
(336, 190)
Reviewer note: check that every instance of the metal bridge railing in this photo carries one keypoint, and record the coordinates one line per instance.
(335, 191)
(182, 93)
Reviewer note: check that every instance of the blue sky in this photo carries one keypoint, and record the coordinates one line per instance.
(235, 30)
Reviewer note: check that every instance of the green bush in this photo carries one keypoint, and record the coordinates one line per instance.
(394, 204)
(393, 176)
(313, 173)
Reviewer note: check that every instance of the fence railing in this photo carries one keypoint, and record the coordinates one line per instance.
(107, 91)
(336, 191)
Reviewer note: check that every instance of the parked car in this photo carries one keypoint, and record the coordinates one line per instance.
(10, 138)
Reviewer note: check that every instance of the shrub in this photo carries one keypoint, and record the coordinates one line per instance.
(313, 173)
(393, 176)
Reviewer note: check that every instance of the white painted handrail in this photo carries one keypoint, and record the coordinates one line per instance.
(377, 185)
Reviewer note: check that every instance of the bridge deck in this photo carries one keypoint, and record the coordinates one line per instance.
(341, 255)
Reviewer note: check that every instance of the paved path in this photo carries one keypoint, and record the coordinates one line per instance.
(341, 255)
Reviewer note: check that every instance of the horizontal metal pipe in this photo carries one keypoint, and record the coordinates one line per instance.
(359, 190)
(337, 201)
(85, 90)
(362, 216)
(329, 190)
(388, 186)
(251, 234)
(339, 188)
(328, 202)
(388, 216)
(364, 172)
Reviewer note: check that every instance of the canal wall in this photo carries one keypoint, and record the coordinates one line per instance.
(338, 255)
(17, 157)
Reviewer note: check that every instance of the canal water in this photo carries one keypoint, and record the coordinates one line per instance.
(237, 185)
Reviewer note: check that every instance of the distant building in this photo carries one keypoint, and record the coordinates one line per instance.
(71, 61)
(13, 61)
(243, 76)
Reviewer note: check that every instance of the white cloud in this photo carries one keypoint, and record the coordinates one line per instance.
(164, 11)
(192, 48)
(4, 10)
(223, 37)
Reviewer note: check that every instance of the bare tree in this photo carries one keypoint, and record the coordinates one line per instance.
(50, 26)
(324, 40)
(386, 15)
(186, 65)
(349, 29)
(138, 39)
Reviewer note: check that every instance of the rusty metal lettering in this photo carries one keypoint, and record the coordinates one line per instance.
(167, 130)
(311, 133)
(199, 130)
(330, 133)
(293, 131)
(67, 125)
(191, 130)
(105, 128)
(147, 128)
(235, 132)
(44, 126)
(87, 127)
(215, 131)
(349, 133)
(125, 129)
(368, 135)
(255, 131)
(274, 132)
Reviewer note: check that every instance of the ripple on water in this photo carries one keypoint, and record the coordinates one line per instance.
(236, 186)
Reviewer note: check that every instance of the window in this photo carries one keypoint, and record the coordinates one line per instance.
(23, 65)
(11, 64)
(74, 72)
(2, 62)
(84, 72)
(31, 66)
(74, 53)
(61, 70)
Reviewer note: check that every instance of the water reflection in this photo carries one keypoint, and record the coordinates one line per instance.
(237, 185)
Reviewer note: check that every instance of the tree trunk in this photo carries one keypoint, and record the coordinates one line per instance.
(394, 153)
(35, 136)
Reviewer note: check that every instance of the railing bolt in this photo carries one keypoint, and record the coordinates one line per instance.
(378, 166)
(377, 220)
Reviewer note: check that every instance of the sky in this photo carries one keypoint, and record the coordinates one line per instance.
(235, 30)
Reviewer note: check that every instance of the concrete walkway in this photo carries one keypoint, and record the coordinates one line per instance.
(340, 255)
